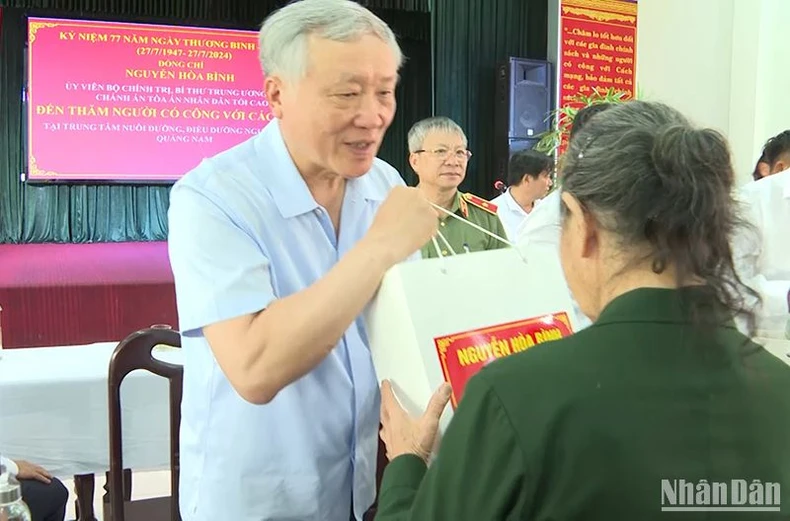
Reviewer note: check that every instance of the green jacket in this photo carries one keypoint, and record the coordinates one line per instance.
(462, 237)
(587, 427)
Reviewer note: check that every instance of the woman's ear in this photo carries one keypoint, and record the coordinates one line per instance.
(582, 225)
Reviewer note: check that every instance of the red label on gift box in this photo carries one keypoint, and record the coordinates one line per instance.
(462, 355)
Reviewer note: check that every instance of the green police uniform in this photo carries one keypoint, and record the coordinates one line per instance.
(608, 423)
(462, 237)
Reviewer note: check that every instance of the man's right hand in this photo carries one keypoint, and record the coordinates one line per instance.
(404, 223)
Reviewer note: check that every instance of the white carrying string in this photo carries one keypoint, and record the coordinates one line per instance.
(436, 245)
(473, 225)
(446, 243)
(443, 266)
(521, 253)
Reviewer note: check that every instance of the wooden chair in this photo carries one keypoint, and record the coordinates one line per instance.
(133, 353)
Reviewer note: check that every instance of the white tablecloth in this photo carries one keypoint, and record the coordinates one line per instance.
(53, 410)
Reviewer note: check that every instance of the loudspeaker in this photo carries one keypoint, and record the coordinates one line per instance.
(524, 101)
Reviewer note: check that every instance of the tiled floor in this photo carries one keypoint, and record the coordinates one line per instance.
(144, 485)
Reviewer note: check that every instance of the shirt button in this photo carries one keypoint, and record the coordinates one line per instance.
(442, 223)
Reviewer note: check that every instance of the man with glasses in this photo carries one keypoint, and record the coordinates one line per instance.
(439, 156)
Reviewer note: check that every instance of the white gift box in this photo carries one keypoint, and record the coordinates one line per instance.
(441, 320)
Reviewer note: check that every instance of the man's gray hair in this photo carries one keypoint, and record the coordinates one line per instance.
(424, 127)
(282, 40)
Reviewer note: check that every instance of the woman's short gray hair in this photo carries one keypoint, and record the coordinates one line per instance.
(282, 40)
(424, 127)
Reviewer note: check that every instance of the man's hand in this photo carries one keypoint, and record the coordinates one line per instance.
(404, 223)
(28, 470)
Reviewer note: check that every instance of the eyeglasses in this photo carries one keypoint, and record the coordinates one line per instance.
(443, 153)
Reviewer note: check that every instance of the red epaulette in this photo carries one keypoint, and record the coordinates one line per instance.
(480, 203)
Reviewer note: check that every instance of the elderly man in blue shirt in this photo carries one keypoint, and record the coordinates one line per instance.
(277, 245)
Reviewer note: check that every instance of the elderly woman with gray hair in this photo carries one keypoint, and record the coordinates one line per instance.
(662, 404)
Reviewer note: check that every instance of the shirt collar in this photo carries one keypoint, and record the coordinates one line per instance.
(460, 206)
(456, 202)
(288, 189)
(513, 204)
(287, 186)
(662, 305)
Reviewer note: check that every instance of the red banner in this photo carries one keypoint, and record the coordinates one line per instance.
(138, 102)
(597, 48)
(462, 355)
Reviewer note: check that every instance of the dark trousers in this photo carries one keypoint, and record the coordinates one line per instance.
(46, 502)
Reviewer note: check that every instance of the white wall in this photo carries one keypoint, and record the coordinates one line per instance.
(723, 63)
(772, 114)
(684, 50)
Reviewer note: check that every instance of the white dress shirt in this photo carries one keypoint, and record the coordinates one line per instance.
(511, 213)
(763, 261)
(544, 221)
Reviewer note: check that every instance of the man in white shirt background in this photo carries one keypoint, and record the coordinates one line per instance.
(543, 224)
(43, 494)
(529, 180)
(763, 258)
(770, 161)
(760, 169)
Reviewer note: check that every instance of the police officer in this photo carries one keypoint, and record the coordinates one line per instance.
(438, 154)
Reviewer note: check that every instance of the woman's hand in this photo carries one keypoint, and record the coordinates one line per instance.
(403, 434)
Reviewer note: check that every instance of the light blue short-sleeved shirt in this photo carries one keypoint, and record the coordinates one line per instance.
(244, 231)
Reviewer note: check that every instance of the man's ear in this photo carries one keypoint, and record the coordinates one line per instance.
(781, 164)
(273, 86)
(413, 161)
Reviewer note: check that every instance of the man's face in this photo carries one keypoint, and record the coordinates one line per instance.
(538, 187)
(337, 114)
(442, 160)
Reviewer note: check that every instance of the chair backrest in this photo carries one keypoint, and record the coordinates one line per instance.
(133, 353)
